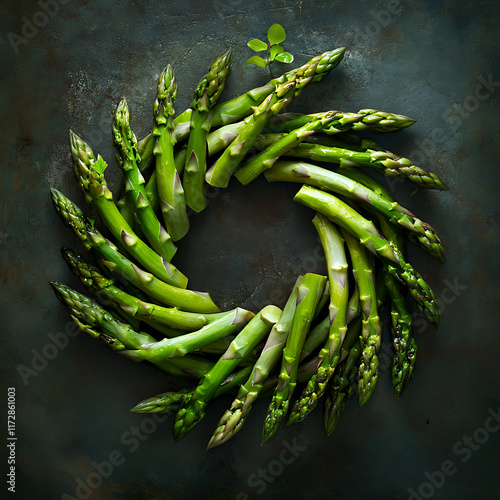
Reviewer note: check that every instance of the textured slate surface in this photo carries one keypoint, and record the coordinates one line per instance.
(434, 61)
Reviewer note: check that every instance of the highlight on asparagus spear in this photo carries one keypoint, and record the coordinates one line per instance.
(109, 255)
(129, 159)
(362, 264)
(90, 174)
(306, 173)
(308, 294)
(233, 419)
(227, 324)
(207, 92)
(384, 162)
(170, 190)
(192, 408)
(336, 262)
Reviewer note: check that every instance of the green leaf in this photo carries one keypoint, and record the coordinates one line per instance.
(284, 57)
(275, 50)
(258, 61)
(276, 34)
(100, 165)
(257, 45)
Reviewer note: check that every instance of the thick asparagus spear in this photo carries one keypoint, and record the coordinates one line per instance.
(129, 158)
(306, 173)
(240, 107)
(333, 246)
(308, 295)
(233, 419)
(385, 162)
(152, 314)
(252, 168)
(207, 92)
(371, 327)
(98, 323)
(193, 406)
(90, 174)
(170, 190)
(366, 232)
(187, 300)
(228, 324)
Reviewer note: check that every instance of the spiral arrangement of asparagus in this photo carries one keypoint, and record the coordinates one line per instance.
(327, 337)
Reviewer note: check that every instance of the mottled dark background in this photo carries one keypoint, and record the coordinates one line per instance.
(427, 59)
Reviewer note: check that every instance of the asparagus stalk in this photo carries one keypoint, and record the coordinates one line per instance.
(90, 174)
(92, 239)
(233, 419)
(228, 324)
(207, 92)
(170, 190)
(251, 169)
(333, 246)
(308, 295)
(384, 162)
(295, 171)
(152, 314)
(192, 408)
(129, 158)
(366, 232)
(98, 323)
(371, 327)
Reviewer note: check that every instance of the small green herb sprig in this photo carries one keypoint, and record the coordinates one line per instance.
(274, 51)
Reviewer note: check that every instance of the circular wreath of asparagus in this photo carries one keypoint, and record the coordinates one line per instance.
(328, 334)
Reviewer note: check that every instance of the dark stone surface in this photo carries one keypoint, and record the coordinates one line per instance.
(429, 60)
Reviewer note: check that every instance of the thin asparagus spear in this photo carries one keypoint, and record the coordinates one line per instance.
(371, 328)
(228, 324)
(90, 174)
(365, 231)
(384, 162)
(233, 419)
(207, 92)
(192, 408)
(251, 169)
(152, 314)
(333, 246)
(129, 159)
(187, 300)
(309, 293)
(305, 173)
(170, 190)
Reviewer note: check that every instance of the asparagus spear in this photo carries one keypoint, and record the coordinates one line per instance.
(165, 293)
(295, 171)
(207, 92)
(251, 169)
(170, 190)
(228, 324)
(153, 314)
(240, 107)
(385, 162)
(168, 401)
(333, 246)
(129, 158)
(365, 119)
(233, 419)
(98, 323)
(192, 408)
(371, 327)
(90, 174)
(404, 344)
(366, 232)
(308, 295)
(221, 171)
